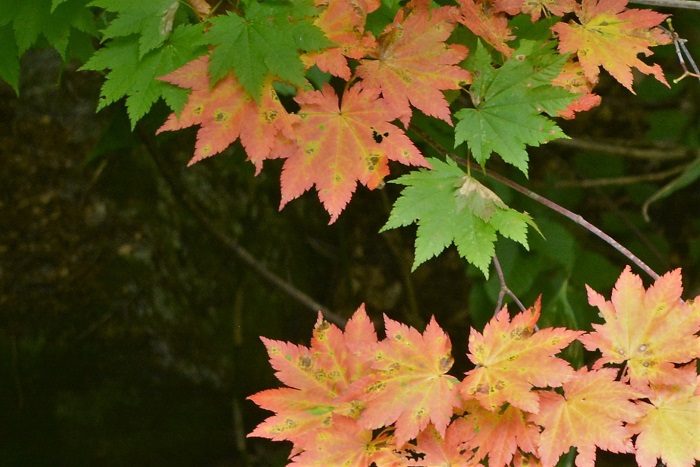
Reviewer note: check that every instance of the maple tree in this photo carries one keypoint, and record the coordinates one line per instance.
(341, 90)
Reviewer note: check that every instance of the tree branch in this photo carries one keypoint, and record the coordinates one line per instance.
(544, 201)
(683, 4)
(504, 289)
(230, 243)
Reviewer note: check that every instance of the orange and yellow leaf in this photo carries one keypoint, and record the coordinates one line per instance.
(612, 36)
(649, 330)
(491, 26)
(512, 359)
(590, 413)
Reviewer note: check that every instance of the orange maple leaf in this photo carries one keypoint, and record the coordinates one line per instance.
(512, 358)
(339, 145)
(318, 378)
(226, 112)
(492, 26)
(590, 413)
(410, 387)
(611, 36)
(414, 64)
(500, 433)
(649, 330)
(670, 429)
(343, 23)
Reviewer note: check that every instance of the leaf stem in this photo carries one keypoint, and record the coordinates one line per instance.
(504, 289)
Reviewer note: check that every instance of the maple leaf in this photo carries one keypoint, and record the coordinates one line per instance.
(535, 8)
(410, 387)
(135, 77)
(611, 36)
(447, 450)
(512, 359)
(343, 23)
(448, 207)
(318, 378)
(414, 64)
(499, 433)
(669, 429)
(491, 26)
(338, 145)
(590, 413)
(267, 41)
(226, 112)
(508, 103)
(649, 330)
(152, 21)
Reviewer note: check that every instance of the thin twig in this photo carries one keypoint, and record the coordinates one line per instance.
(544, 201)
(681, 51)
(504, 289)
(613, 181)
(231, 244)
(616, 149)
(683, 4)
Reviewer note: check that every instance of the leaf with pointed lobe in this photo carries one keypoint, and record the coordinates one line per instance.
(491, 26)
(414, 64)
(648, 330)
(512, 359)
(612, 36)
(343, 23)
(226, 112)
(669, 428)
(410, 386)
(592, 412)
(341, 144)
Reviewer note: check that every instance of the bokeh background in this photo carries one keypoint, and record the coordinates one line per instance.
(133, 289)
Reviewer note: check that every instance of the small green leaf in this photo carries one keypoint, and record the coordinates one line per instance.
(135, 77)
(9, 58)
(451, 207)
(266, 40)
(509, 103)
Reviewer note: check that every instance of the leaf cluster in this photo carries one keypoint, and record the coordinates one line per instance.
(353, 399)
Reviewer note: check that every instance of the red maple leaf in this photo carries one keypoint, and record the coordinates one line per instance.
(448, 449)
(484, 21)
(340, 145)
(414, 64)
(343, 23)
(649, 330)
(226, 112)
(573, 79)
(512, 358)
(410, 386)
(611, 36)
(591, 413)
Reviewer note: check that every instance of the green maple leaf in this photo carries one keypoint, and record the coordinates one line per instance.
(267, 40)
(26, 23)
(151, 20)
(134, 77)
(509, 103)
(452, 207)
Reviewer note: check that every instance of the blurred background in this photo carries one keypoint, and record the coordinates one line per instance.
(133, 289)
